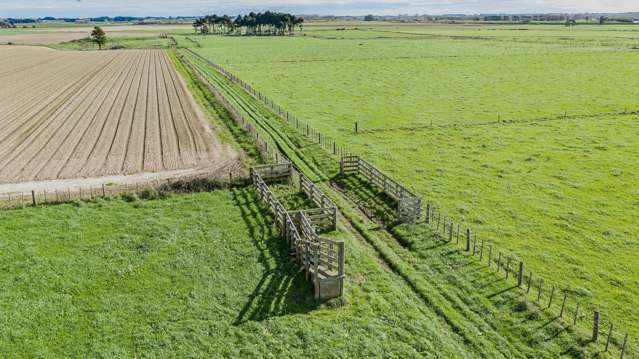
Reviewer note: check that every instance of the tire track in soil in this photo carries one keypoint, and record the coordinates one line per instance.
(74, 139)
(35, 152)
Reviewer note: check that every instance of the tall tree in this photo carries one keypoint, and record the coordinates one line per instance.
(98, 36)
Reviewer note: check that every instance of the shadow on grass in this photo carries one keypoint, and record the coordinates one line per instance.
(375, 204)
(282, 290)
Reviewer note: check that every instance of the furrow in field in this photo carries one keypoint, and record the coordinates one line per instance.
(39, 146)
(152, 140)
(170, 143)
(63, 155)
(185, 136)
(39, 93)
(84, 153)
(21, 127)
(19, 82)
(204, 143)
(97, 160)
(22, 135)
(117, 151)
(134, 156)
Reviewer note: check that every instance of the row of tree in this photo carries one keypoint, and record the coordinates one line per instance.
(267, 23)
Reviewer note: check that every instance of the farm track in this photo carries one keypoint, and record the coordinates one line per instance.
(91, 114)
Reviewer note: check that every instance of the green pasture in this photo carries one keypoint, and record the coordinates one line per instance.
(116, 43)
(192, 275)
(531, 143)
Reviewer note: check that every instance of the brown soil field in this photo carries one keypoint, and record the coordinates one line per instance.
(66, 114)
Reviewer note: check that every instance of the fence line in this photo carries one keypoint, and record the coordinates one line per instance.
(326, 142)
(533, 286)
(373, 175)
(322, 259)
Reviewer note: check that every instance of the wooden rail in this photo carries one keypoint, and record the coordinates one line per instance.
(409, 205)
(321, 258)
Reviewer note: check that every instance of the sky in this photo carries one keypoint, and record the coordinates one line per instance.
(88, 8)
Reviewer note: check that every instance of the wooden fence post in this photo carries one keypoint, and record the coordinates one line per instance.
(563, 305)
(499, 262)
(541, 287)
(490, 256)
(595, 328)
(356, 127)
(450, 233)
(428, 213)
(475, 245)
(530, 274)
(623, 346)
(520, 277)
(609, 337)
(33, 198)
(481, 252)
(467, 239)
(552, 295)
(458, 234)
(574, 322)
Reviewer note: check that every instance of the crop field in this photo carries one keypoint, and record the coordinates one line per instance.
(526, 133)
(89, 114)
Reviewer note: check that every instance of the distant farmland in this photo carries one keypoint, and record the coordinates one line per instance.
(88, 114)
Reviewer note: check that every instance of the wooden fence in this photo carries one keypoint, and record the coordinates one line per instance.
(571, 308)
(142, 188)
(321, 258)
(409, 205)
(326, 142)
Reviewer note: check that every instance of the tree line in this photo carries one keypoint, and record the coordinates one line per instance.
(267, 23)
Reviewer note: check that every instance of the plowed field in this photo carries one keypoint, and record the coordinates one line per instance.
(90, 114)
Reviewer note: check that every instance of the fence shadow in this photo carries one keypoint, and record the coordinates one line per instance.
(282, 290)
(375, 204)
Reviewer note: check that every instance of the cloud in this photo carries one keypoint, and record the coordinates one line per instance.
(18, 8)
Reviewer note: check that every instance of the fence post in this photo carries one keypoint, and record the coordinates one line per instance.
(499, 262)
(623, 346)
(541, 287)
(563, 305)
(508, 266)
(530, 274)
(467, 239)
(428, 213)
(520, 277)
(458, 234)
(33, 198)
(450, 233)
(595, 328)
(609, 337)
(481, 252)
(490, 256)
(356, 127)
(475, 244)
(574, 322)
(552, 296)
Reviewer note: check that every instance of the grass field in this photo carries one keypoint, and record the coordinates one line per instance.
(526, 133)
(193, 275)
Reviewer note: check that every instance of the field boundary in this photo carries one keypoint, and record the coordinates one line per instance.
(505, 261)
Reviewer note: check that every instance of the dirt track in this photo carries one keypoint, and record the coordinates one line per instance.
(89, 114)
